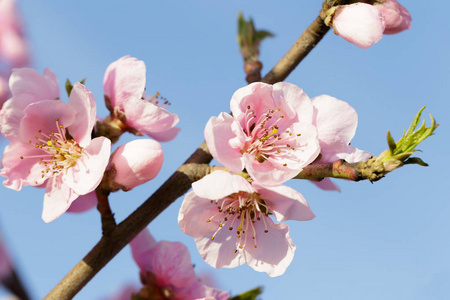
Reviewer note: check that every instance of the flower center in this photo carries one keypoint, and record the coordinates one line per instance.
(241, 211)
(266, 139)
(60, 151)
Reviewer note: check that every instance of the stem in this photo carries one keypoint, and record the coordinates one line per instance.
(372, 170)
(304, 44)
(177, 185)
(107, 216)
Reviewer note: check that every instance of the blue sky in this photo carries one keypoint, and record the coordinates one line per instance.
(386, 240)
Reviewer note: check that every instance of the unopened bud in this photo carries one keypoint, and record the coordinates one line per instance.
(396, 16)
(360, 24)
(134, 163)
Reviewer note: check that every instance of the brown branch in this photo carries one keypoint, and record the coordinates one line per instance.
(304, 44)
(107, 216)
(177, 185)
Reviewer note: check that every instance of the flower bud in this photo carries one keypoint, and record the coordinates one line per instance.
(396, 16)
(134, 163)
(360, 23)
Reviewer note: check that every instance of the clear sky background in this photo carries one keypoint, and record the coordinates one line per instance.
(387, 240)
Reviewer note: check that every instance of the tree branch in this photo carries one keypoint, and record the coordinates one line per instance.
(177, 185)
(304, 44)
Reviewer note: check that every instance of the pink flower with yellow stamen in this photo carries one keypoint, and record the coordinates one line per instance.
(51, 146)
(231, 222)
(270, 134)
(124, 85)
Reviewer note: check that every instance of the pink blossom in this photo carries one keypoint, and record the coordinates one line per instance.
(270, 134)
(397, 17)
(124, 85)
(336, 123)
(13, 46)
(135, 163)
(167, 270)
(50, 141)
(229, 219)
(360, 24)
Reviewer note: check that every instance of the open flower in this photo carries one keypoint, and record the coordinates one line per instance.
(230, 221)
(336, 123)
(397, 17)
(124, 85)
(270, 134)
(359, 23)
(167, 271)
(50, 143)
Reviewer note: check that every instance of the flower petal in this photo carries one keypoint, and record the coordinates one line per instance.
(171, 263)
(21, 172)
(57, 199)
(86, 175)
(83, 203)
(147, 117)
(124, 79)
(164, 136)
(219, 134)
(336, 122)
(326, 184)
(219, 253)
(11, 115)
(83, 103)
(29, 81)
(220, 184)
(140, 246)
(290, 97)
(285, 203)
(193, 216)
(41, 118)
(267, 258)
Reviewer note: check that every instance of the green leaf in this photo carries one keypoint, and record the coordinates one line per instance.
(415, 160)
(402, 150)
(69, 87)
(413, 136)
(249, 295)
(249, 38)
(391, 142)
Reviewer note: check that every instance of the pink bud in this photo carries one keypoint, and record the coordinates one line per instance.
(135, 163)
(360, 23)
(396, 16)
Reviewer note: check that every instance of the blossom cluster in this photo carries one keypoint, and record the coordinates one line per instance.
(57, 145)
(273, 133)
(364, 25)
